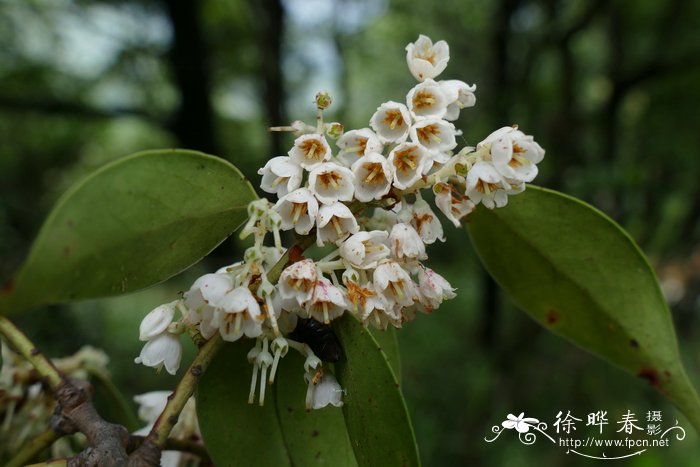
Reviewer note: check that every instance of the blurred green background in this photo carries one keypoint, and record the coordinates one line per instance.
(611, 89)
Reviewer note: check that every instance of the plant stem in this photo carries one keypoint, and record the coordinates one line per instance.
(31, 449)
(26, 348)
(51, 463)
(171, 444)
(185, 388)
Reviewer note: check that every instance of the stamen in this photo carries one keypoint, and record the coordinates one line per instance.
(311, 152)
(375, 171)
(357, 149)
(325, 313)
(298, 283)
(334, 184)
(395, 121)
(338, 228)
(237, 326)
(278, 180)
(435, 138)
(407, 160)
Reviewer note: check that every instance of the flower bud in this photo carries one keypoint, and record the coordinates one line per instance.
(323, 100)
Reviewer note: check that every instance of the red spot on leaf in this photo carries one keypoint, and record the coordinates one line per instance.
(552, 317)
(651, 375)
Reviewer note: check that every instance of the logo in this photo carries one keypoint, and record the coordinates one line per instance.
(598, 437)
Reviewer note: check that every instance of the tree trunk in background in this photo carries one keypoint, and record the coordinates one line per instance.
(193, 123)
(271, 34)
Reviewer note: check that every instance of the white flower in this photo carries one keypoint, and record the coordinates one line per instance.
(426, 222)
(433, 289)
(239, 314)
(280, 175)
(335, 222)
(298, 210)
(426, 99)
(394, 283)
(163, 350)
(436, 135)
(331, 182)
(364, 249)
(459, 95)
(203, 296)
(370, 306)
(322, 392)
(157, 321)
(391, 122)
(297, 281)
(514, 154)
(151, 404)
(373, 176)
(409, 162)
(327, 302)
(310, 150)
(357, 143)
(485, 185)
(405, 243)
(452, 203)
(425, 59)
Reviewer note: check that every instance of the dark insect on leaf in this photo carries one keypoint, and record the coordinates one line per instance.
(320, 337)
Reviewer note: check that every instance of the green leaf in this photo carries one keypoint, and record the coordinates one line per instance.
(281, 433)
(375, 412)
(316, 438)
(129, 225)
(236, 433)
(390, 345)
(580, 275)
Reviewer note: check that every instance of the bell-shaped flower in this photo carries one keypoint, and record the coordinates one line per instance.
(163, 350)
(405, 243)
(427, 100)
(370, 307)
(357, 143)
(381, 219)
(323, 391)
(434, 289)
(373, 176)
(331, 182)
(327, 302)
(514, 154)
(239, 314)
(151, 405)
(298, 280)
(364, 250)
(485, 185)
(298, 210)
(459, 96)
(310, 150)
(434, 134)
(157, 321)
(394, 283)
(426, 223)
(280, 175)
(453, 204)
(335, 222)
(425, 59)
(409, 162)
(391, 122)
(204, 295)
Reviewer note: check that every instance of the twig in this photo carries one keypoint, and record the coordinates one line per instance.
(51, 463)
(172, 444)
(26, 348)
(157, 438)
(31, 449)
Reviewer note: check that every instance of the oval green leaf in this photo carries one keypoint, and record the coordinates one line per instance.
(129, 225)
(315, 438)
(282, 432)
(235, 432)
(389, 344)
(580, 275)
(375, 412)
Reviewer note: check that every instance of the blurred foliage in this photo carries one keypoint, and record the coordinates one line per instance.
(608, 88)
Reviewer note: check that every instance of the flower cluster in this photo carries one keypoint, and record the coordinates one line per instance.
(363, 203)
